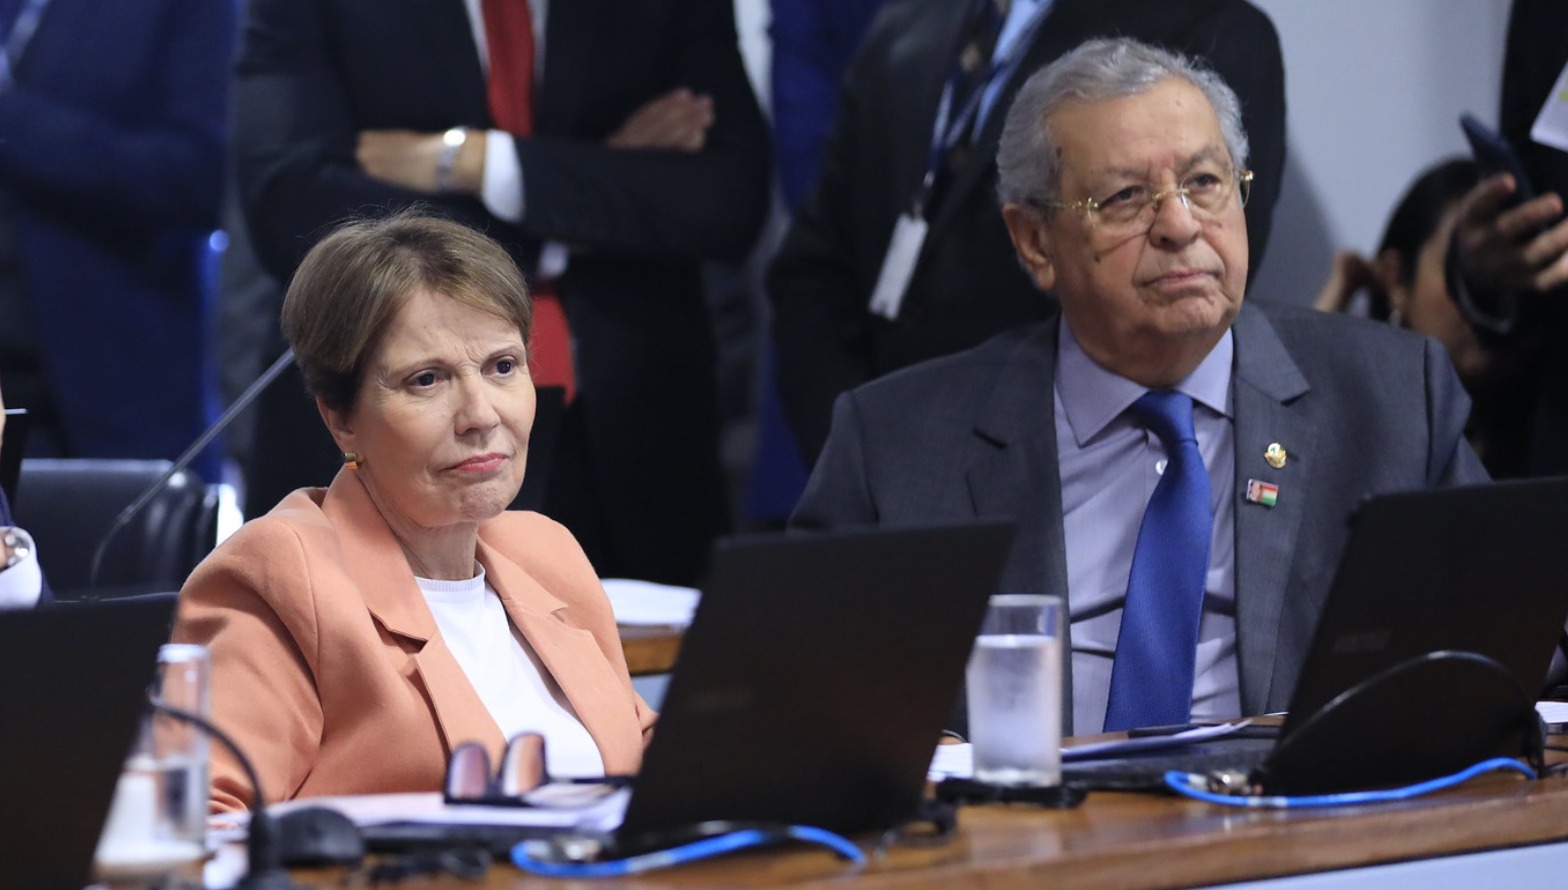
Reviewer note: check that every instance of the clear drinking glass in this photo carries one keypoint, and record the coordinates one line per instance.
(158, 822)
(1014, 686)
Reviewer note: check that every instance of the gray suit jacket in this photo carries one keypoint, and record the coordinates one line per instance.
(1360, 407)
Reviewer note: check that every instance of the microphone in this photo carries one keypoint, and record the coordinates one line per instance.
(184, 460)
(263, 869)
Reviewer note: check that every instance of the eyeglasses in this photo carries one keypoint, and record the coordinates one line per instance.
(1205, 191)
(522, 780)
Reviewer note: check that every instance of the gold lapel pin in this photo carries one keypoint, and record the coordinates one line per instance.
(1275, 455)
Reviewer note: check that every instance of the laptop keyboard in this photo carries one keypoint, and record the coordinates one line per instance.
(1146, 772)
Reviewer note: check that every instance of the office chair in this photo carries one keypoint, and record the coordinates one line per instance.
(69, 504)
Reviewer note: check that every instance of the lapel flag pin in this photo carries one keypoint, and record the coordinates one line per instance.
(1262, 492)
(1275, 455)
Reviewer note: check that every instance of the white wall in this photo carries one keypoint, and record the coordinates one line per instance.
(1373, 91)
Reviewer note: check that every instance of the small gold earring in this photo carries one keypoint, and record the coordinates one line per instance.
(351, 459)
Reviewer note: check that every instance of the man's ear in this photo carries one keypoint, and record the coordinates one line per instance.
(1026, 226)
(338, 425)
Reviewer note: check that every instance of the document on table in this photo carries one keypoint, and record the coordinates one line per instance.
(644, 602)
(428, 808)
(1552, 711)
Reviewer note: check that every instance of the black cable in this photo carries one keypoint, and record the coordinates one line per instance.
(184, 460)
(263, 870)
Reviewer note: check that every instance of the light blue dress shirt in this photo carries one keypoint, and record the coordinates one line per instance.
(1020, 14)
(1109, 466)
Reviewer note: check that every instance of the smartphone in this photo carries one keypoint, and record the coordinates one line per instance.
(1494, 155)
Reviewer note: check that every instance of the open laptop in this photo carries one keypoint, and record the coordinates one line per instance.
(816, 678)
(73, 684)
(811, 687)
(1432, 647)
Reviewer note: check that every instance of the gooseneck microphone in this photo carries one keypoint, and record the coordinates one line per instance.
(184, 460)
(263, 869)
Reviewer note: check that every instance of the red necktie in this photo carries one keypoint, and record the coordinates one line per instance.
(509, 37)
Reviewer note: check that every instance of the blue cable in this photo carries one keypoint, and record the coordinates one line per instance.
(1182, 783)
(702, 849)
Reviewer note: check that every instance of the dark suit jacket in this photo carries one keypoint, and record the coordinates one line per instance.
(1537, 50)
(111, 164)
(315, 72)
(1360, 408)
(967, 285)
(45, 594)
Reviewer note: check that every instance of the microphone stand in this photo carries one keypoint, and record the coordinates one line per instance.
(184, 460)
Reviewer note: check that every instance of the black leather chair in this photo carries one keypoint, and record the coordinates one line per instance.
(68, 505)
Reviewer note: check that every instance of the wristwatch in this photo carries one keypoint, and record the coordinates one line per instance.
(446, 162)
(18, 546)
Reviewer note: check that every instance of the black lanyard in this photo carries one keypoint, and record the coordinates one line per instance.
(17, 40)
(949, 128)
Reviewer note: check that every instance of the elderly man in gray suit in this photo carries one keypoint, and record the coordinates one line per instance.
(1180, 465)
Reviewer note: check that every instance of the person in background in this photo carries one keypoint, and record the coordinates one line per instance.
(113, 132)
(360, 632)
(22, 583)
(1405, 283)
(610, 147)
(813, 42)
(1507, 265)
(1181, 464)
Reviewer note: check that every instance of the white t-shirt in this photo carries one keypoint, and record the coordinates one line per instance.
(514, 685)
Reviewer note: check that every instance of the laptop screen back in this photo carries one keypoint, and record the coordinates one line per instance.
(1480, 570)
(816, 677)
(73, 683)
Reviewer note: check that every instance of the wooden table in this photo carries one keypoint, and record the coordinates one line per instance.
(1140, 842)
(650, 649)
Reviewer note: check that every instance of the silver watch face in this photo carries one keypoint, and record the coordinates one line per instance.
(17, 545)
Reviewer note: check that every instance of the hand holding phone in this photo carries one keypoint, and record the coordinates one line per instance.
(1494, 155)
(1505, 243)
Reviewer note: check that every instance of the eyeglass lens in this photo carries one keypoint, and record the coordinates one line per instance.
(468, 772)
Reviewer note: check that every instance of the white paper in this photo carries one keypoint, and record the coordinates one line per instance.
(903, 251)
(428, 808)
(1551, 125)
(644, 602)
(1552, 711)
(952, 762)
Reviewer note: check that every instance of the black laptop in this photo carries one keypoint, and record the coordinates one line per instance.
(811, 689)
(815, 680)
(1432, 647)
(73, 683)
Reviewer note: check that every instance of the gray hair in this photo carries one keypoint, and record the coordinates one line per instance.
(1100, 70)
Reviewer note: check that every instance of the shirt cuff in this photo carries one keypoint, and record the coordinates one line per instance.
(502, 187)
(21, 584)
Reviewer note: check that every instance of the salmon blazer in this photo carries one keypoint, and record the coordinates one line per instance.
(328, 667)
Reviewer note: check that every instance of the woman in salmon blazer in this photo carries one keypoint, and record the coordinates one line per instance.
(362, 631)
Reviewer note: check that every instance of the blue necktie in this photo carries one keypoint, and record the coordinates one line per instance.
(1151, 677)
